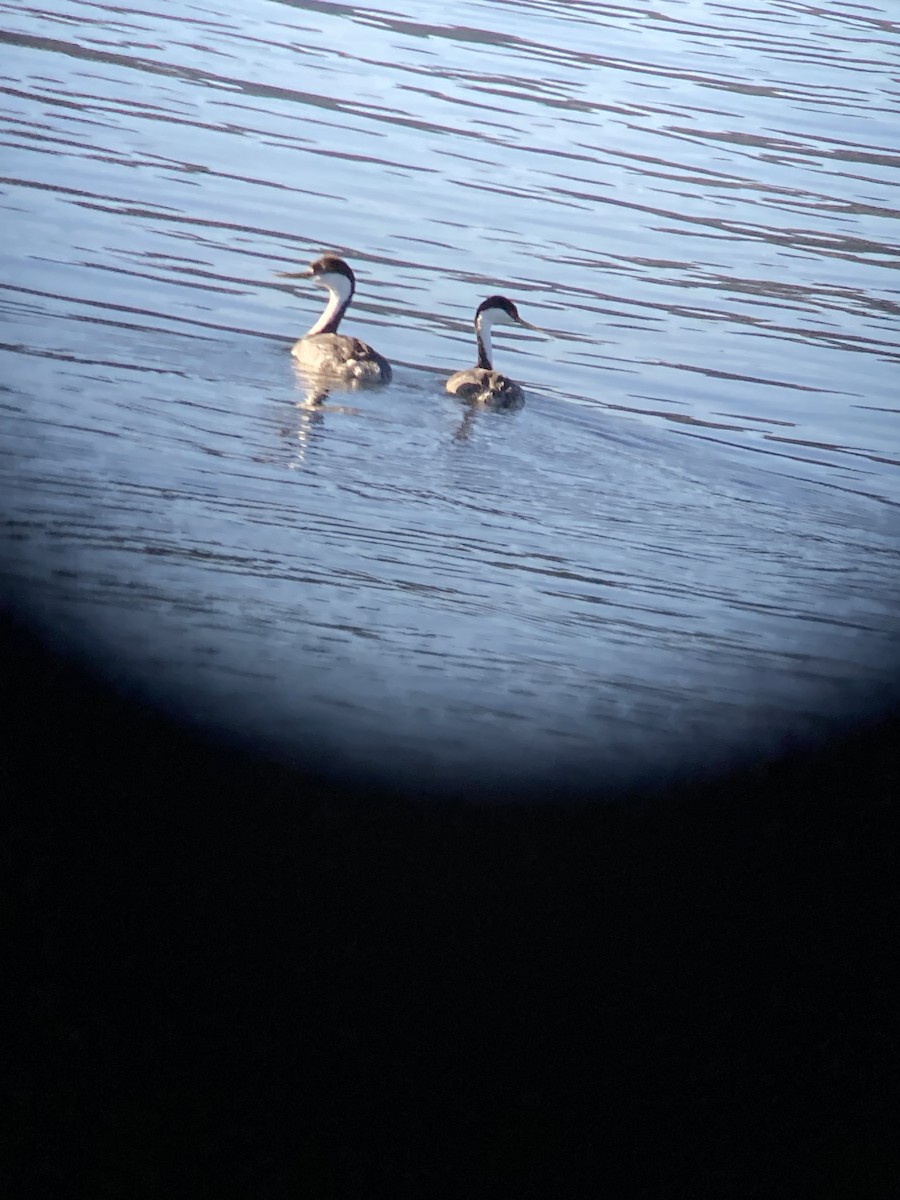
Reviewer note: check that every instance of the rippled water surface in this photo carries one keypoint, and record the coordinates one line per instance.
(684, 546)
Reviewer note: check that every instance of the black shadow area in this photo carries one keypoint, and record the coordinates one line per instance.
(231, 976)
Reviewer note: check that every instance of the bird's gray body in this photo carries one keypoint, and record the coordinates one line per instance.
(482, 385)
(341, 357)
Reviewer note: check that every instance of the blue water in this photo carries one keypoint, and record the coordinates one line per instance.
(682, 549)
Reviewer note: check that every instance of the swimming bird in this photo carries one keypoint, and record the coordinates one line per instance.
(324, 351)
(482, 383)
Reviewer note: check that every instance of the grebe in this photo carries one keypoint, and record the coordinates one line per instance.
(324, 351)
(482, 383)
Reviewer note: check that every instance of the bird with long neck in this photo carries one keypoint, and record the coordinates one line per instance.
(482, 383)
(322, 350)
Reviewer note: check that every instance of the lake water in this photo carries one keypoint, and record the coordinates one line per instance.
(681, 551)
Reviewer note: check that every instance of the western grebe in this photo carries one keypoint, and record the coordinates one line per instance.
(482, 383)
(324, 351)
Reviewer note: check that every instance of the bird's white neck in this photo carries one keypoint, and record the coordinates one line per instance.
(340, 291)
(483, 336)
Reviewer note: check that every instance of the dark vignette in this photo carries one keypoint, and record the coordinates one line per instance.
(228, 972)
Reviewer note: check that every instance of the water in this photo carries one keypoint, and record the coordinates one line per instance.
(683, 549)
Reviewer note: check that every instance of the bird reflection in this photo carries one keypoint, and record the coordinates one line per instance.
(464, 428)
(475, 411)
(311, 411)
